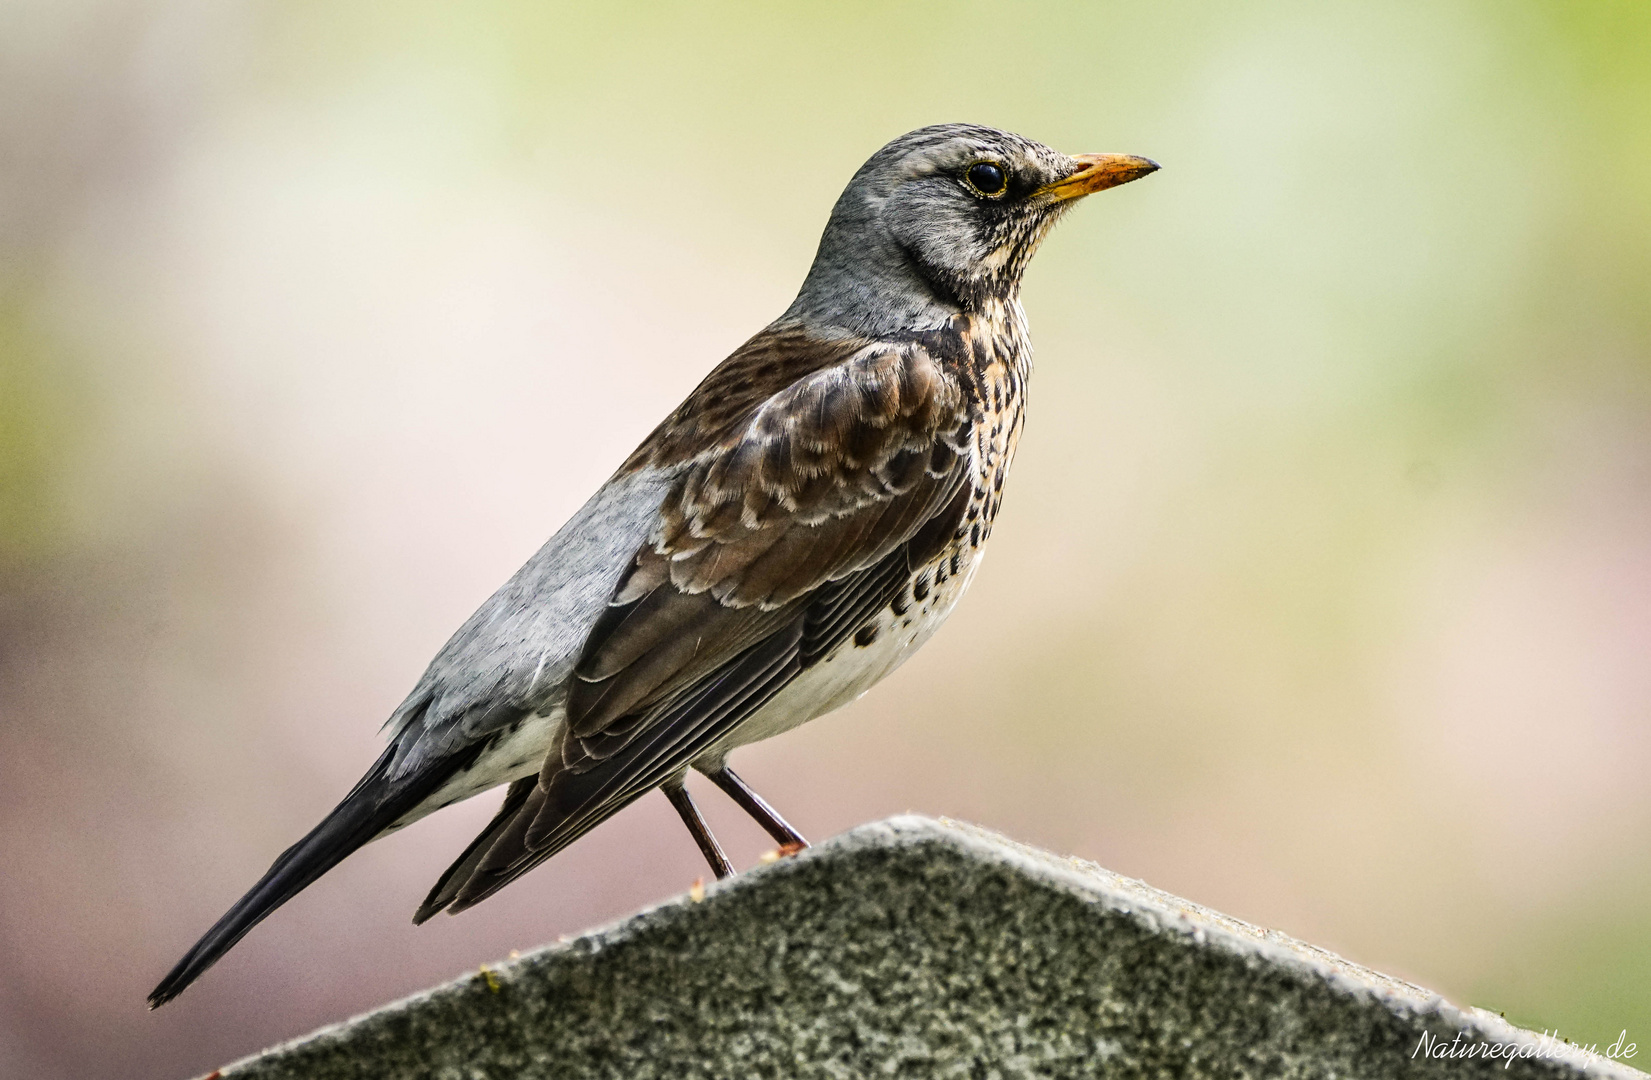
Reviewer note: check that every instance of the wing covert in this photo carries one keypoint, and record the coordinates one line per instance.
(781, 534)
(826, 478)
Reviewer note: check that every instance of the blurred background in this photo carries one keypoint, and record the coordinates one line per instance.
(317, 318)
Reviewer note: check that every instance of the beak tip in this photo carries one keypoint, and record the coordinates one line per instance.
(1097, 172)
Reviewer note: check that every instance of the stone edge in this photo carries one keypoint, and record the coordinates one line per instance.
(1157, 911)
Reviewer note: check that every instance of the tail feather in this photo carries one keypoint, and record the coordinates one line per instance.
(455, 877)
(375, 803)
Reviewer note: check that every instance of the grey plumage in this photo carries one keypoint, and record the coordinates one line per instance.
(785, 539)
(900, 242)
(513, 656)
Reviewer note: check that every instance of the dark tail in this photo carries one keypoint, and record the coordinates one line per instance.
(376, 803)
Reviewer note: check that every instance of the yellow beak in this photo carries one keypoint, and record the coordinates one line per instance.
(1097, 172)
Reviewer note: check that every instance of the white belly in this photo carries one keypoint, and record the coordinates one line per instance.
(852, 669)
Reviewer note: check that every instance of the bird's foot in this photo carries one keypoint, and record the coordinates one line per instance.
(782, 852)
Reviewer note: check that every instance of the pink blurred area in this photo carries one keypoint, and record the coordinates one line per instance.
(1322, 594)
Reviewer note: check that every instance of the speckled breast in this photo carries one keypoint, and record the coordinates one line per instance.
(992, 365)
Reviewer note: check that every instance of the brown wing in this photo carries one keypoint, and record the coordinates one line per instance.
(788, 527)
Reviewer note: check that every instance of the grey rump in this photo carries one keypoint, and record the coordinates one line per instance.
(782, 541)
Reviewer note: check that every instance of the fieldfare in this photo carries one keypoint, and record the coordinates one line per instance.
(792, 532)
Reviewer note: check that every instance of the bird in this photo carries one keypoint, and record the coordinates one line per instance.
(793, 531)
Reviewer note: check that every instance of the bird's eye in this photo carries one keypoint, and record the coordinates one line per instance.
(986, 178)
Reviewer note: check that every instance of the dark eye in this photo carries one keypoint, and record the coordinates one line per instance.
(986, 178)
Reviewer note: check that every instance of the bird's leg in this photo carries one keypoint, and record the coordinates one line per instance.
(789, 839)
(708, 845)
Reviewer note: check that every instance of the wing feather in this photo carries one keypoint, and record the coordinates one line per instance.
(789, 524)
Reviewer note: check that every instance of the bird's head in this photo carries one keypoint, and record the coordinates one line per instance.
(945, 218)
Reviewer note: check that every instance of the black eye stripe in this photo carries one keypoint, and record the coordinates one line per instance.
(987, 178)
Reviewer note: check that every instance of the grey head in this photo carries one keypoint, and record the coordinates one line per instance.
(941, 220)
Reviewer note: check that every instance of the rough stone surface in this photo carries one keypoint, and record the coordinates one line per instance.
(915, 948)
